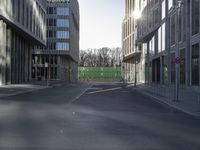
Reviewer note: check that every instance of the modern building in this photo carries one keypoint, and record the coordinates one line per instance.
(22, 25)
(133, 61)
(59, 59)
(169, 34)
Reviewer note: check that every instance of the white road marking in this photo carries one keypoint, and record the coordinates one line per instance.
(76, 98)
(105, 90)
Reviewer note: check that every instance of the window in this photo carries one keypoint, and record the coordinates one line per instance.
(163, 37)
(156, 16)
(195, 17)
(173, 34)
(51, 45)
(51, 22)
(195, 64)
(173, 68)
(62, 46)
(182, 66)
(50, 10)
(159, 40)
(170, 4)
(51, 34)
(19, 8)
(152, 46)
(62, 23)
(62, 34)
(64, 11)
(180, 26)
(163, 9)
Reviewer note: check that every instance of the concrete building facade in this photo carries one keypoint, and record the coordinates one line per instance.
(22, 25)
(62, 51)
(169, 33)
(133, 61)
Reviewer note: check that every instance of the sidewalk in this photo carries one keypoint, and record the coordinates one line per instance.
(189, 98)
(16, 89)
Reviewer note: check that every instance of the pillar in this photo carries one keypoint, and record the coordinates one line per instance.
(8, 56)
(2, 53)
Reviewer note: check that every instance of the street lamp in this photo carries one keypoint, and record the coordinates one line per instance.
(177, 59)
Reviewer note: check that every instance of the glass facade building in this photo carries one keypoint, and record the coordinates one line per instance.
(62, 50)
(22, 25)
(165, 34)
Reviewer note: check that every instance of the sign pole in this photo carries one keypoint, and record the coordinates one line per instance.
(177, 59)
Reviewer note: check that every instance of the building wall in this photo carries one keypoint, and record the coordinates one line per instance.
(22, 25)
(168, 36)
(62, 42)
(132, 65)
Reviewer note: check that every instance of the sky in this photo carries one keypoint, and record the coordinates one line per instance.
(101, 23)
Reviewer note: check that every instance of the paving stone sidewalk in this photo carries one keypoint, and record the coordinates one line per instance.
(15, 89)
(189, 97)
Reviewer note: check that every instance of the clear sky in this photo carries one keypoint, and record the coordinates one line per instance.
(100, 24)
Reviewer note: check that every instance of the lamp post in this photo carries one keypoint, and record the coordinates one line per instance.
(177, 59)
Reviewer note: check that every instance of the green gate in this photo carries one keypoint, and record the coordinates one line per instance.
(99, 73)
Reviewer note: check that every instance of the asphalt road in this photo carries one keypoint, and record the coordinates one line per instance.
(104, 117)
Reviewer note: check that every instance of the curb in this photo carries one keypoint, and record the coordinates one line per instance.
(24, 92)
(160, 100)
(32, 90)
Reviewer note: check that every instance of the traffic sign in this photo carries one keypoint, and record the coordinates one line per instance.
(177, 60)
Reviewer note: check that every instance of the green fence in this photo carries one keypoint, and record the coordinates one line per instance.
(99, 73)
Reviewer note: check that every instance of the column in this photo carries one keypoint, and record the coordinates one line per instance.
(1, 49)
(8, 56)
(2, 53)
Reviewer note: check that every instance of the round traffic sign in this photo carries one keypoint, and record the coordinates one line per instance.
(177, 60)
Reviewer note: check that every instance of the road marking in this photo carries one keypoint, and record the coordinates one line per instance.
(93, 88)
(106, 90)
(76, 98)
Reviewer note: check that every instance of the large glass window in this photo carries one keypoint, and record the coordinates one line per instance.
(50, 10)
(163, 9)
(173, 34)
(51, 22)
(64, 11)
(173, 71)
(195, 17)
(182, 66)
(62, 34)
(152, 46)
(195, 64)
(180, 26)
(170, 4)
(159, 40)
(62, 46)
(163, 37)
(62, 23)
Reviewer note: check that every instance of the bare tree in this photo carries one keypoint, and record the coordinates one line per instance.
(103, 57)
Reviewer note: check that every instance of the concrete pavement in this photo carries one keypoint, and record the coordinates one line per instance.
(94, 117)
(16, 89)
(189, 99)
